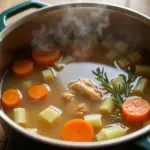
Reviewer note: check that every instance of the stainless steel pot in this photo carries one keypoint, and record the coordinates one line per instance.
(128, 23)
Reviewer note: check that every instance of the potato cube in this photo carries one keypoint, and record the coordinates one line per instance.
(27, 84)
(67, 60)
(107, 43)
(32, 131)
(19, 116)
(47, 75)
(58, 66)
(121, 46)
(94, 120)
(50, 114)
(107, 105)
(142, 70)
(118, 83)
(140, 87)
(123, 63)
(111, 132)
(111, 55)
(134, 57)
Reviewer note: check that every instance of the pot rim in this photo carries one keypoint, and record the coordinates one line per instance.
(56, 142)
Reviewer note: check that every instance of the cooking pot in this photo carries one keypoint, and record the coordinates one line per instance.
(132, 25)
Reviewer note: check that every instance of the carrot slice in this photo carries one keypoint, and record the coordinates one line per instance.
(11, 98)
(46, 58)
(136, 110)
(77, 130)
(23, 67)
(37, 92)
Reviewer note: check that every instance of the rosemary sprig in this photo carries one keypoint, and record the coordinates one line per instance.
(127, 81)
(116, 94)
(117, 116)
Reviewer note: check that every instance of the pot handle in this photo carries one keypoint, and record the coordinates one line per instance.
(144, 142)
(17, 9)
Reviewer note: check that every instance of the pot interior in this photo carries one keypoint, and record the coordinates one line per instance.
(95, 29)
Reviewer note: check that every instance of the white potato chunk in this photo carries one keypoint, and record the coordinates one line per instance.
(27, 84)
(58, 66)
(123, 63)
(111, 133)
(32, 130)
(121, 46)
(107, 105)
(107, 43)
(67, 60)
(50, 114)
(134, 57)
(94, 120)
(140, 86)
(118, 83)
(47, 75)
(142, 70)
(111, 55)
(19, 115)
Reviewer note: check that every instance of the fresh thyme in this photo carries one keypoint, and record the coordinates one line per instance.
(116, 94)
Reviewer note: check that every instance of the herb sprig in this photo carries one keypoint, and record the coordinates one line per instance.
(116, 94)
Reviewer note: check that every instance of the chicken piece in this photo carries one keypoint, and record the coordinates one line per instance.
(85, 88)
(67, 96)
(82, 110)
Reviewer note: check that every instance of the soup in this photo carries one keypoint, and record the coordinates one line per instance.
(79, 97)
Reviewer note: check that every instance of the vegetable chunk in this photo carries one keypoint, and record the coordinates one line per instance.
(94, 120)
(32, 131)
(37, 92)
(46, 57)
(58, 66)
(140, 86)
(50, 114)
(23, 67)
(77, 130)
(134, 57)
(47, 75)
(19, 115)
(11, 98)
(118, 83)
(142, 70)
(136, 110)
(111, 133)
(67, 60)
(123, 63)
(107, 106)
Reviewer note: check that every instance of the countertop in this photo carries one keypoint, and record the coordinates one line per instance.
(138, 5)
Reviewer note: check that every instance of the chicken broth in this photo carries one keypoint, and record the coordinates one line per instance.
(75, 101)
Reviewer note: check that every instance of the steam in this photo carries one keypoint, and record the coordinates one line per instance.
(77, 31)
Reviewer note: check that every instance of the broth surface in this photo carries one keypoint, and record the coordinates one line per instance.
(71, 72)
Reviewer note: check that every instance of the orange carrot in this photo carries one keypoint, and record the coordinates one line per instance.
(77, 130)
(37, 92)
(136, 110)
(46, 58)
(11, 98)
(23, 67)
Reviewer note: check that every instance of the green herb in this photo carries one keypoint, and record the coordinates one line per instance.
(117, 116)
(127, 81)
(116, 94)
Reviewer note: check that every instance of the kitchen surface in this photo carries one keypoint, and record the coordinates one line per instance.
(142, 6)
